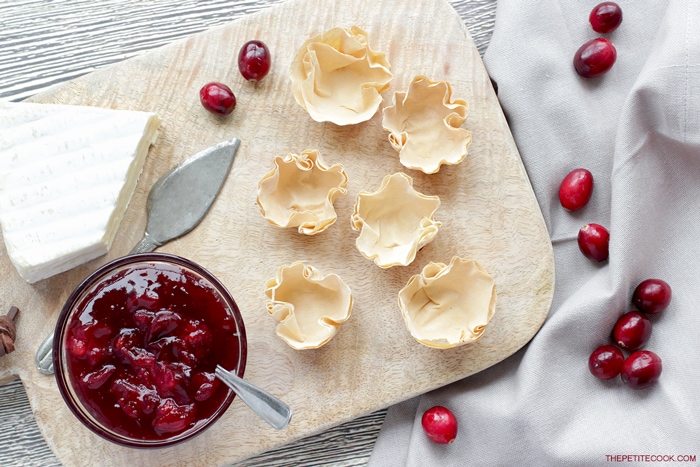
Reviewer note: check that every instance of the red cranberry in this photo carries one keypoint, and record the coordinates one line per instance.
(143, 319)
(172, 380)
(172, 417)
(97, 355)
(182, 351)
(632, 330)
(205, 384)
(123, 342)
(254, 60)
(97, 378)
(217, 98)
(593, 240)
(125, 348)
(576, 189)
(641, 369)
(605, 17)
(652, 296)
(198, 338)
(595, 57)
(77, 347)
(606, 362)
(163, 324)
(134, 399)
(440, 424)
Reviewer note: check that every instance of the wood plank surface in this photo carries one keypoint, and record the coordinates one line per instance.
(504, 206)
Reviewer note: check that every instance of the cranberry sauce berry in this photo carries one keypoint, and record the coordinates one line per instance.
(142, 349)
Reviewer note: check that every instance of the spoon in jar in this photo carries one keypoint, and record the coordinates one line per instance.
(275, 412)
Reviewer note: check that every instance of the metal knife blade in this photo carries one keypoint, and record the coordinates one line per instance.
(181, 198)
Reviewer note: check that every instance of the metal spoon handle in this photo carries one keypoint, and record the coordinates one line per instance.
(44, 356)
(275, 412)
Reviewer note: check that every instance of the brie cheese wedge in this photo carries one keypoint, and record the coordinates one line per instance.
(67, 174)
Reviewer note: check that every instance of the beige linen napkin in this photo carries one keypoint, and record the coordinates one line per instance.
(637, 129)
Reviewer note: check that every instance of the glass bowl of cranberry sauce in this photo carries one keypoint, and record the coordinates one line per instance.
(136, 346)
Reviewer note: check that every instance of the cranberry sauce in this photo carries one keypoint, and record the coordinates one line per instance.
(141, 350)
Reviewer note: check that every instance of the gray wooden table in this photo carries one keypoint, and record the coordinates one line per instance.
(46, 42)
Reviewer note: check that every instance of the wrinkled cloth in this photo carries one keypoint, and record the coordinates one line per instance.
(637, 129)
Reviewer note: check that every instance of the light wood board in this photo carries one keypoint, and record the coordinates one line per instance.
(488, 213)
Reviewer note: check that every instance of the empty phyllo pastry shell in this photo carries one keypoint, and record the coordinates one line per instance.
(394, 222)
(308, 306)
(448, 305)
(338, 78)
(424, 126)
(300, 192)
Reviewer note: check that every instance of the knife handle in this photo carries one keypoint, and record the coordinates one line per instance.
(145, 245)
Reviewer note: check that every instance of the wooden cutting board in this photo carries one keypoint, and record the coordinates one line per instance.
(488, 212)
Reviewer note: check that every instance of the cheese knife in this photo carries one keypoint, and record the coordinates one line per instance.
(181, 198)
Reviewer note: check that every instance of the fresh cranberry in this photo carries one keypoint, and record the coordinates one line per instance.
(254, 60)
(606, 362)
(641, 369)
(632, 330)
(605, 17)
(440, 424)
(576, 189)
(217, 98)
(595, 57)
(652, 296)
(593, 240)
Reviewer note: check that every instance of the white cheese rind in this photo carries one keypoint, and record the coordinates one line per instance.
(67, 174)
